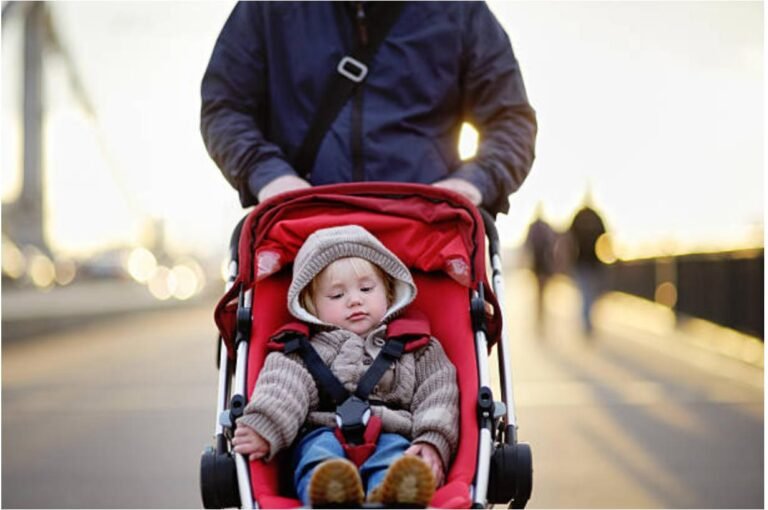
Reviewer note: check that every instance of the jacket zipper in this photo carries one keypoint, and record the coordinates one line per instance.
(362, 29)
(358, 171)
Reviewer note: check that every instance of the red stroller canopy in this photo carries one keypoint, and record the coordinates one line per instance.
(428, 228)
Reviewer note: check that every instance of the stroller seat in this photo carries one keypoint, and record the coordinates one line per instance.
(441, 238)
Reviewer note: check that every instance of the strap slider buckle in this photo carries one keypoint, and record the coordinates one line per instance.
(352, 69)
(393, 349)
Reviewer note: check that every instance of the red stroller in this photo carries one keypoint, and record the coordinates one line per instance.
(441, 237)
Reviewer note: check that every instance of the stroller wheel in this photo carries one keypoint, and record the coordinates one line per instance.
(511, 475)
(218, 480)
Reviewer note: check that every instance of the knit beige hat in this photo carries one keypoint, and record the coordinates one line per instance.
(330, 244)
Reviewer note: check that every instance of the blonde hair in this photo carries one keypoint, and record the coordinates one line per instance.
(360, 266)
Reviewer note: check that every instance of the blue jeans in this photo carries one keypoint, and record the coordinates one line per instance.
(321, 444)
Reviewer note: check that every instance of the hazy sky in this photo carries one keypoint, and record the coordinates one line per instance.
(658, 104)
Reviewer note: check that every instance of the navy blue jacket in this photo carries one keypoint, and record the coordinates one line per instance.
(441, 64)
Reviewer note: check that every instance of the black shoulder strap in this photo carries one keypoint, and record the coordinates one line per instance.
(347, 77)
(328, 382)
(325, 379)
(388, 355)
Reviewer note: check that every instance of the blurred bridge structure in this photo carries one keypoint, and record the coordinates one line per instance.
(34, 268)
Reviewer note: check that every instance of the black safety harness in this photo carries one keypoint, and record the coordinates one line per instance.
(357, 429)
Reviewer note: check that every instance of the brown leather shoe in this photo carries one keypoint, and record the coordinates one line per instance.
(409, 480)
(336, 482)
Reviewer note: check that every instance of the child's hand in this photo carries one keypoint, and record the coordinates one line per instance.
(248, 442)
(429, 454)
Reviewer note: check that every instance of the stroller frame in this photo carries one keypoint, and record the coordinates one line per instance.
(504, 466)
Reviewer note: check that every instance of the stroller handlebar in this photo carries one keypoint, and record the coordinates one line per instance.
(490, 232)
(234, 240)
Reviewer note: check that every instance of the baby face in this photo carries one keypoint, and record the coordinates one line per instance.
(351, 293)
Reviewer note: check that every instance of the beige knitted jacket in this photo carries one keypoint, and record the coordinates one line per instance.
(420, 392)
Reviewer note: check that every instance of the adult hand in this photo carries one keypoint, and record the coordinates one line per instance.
(249, 442)
(462, 187)
(428, 453)
(282, 184)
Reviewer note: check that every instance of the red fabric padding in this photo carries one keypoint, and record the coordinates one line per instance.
(278, 502)
(358, 454)
(412, 327)
(419, 245)
(269, 313)
(453, 494)
(292, 328)
(446, 305)
(391, 211)
(428, 228)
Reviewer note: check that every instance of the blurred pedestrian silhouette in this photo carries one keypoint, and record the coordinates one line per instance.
(540, 246)
(589, 271)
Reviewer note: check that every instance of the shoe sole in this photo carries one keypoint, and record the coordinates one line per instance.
(409, 481)
(336, 482)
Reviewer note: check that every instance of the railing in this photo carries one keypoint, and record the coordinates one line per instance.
(726, 288)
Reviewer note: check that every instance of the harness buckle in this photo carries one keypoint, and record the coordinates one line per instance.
(352, 69)
(352, 417)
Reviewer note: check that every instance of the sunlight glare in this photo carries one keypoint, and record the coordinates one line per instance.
(468, 140)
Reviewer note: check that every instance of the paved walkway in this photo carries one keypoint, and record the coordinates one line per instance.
(646, 414)
(27, 311)
(115, 413)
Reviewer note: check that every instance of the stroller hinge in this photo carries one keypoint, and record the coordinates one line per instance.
(478, 310)
(236, 408)
(485, 407)
(243, 320)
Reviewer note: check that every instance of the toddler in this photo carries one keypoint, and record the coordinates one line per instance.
(348, 287)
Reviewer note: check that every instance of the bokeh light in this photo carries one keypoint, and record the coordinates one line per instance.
(14, 263)
(41, 271)
(162, 283)
(185, 280)
(66, 270)
(666, 294)
(604, 249)
(141, 265)
(224, 270)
